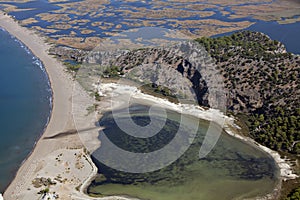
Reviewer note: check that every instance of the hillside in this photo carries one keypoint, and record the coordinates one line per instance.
(261, 80)
(263, 83)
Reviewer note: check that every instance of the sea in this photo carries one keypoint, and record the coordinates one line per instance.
(25, 104)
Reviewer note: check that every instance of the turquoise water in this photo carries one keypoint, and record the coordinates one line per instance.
(25, 98)
(232, 170)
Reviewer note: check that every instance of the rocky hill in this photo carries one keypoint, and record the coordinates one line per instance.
(263, 83)
(183, 70)
(256, 76)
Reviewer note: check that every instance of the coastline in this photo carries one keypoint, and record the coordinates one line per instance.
(61, 120)
(42, 68)
(60, 151)
(61, 117)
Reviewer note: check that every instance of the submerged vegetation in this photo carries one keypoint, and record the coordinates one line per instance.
(188, 173)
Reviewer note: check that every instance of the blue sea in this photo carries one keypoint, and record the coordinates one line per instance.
(25, 104)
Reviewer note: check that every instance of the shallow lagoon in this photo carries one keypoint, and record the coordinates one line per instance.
(233, 170)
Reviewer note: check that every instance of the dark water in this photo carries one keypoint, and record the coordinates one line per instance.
(288, 34)
(36, 7)
(24, 105)
(232, 170)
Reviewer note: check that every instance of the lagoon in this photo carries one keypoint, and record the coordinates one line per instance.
(232, 170)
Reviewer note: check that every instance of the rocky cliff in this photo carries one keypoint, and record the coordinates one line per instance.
(185, 69)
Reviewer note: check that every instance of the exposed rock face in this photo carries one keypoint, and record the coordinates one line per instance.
(185, 68)
(67, 53)
(239, 70)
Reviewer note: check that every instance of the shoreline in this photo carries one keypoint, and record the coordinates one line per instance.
(75, 178)
(60, 118)
(229, 125)
(41, 66)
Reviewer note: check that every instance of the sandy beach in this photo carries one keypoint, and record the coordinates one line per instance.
(64, 158)
(61, 117)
